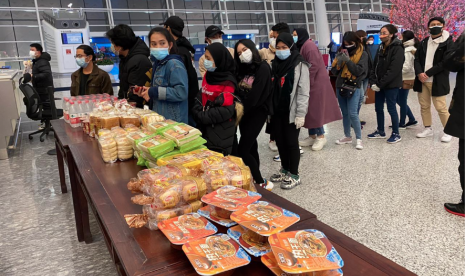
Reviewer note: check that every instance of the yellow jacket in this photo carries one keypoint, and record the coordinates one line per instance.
(202, 69)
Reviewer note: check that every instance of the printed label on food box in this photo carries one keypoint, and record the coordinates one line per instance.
(270, 261)
(231, 198)
(255, 244)
(210, 213)
(182, 229)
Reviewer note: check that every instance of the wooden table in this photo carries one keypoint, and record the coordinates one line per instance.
(145, 252)
(65, 136)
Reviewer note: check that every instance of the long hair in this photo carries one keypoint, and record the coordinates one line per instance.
(391, 29)
(167, 35)
(408, 35)
(350, 37)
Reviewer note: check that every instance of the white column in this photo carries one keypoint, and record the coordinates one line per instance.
(322, 26)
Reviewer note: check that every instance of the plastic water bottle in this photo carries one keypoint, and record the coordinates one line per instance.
(80, 111)
(74, 119)
(89, 107)
(66, 109)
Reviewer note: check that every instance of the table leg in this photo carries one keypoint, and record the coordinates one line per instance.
(75, 196)
(61, 169)
(84, 212)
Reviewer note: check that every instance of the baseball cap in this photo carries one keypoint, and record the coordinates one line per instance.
(175, 23)
(212, 30)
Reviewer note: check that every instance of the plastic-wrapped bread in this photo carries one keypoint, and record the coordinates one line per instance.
(134, 136)
(151, 118)
(192, 160)
(105, 134)
(109, 122)
(159, 127)
(227, 171)
(108, 149)
(118, 131)
(169, 198)
(127, 120)
(125, 151)
(156, 146)
(131, 128)
(155, 177)
(182, 134)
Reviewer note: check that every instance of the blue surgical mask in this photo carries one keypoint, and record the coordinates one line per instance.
(209, 65)
(159, 53)
(283, 54)
(81, 62)
(295, 38)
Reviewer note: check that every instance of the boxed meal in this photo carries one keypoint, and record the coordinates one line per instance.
(265, 218)
(159, 127)
(270, 261)
(215, 254)
(304, 251)
(186, 228)
(231, 198)
(108, 149)
(182, 133)
(221, 217)
(255, 244)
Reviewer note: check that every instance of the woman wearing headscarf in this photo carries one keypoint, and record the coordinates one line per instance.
(215, 109)
(254, 89)
(291, 88)
(322, 106)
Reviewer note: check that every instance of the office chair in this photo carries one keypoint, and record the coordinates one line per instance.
(35, 110)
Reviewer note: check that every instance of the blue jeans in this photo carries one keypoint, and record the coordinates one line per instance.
(404, 108)
(316, 131)
(349, 109)
(390, 97)
(362, 95)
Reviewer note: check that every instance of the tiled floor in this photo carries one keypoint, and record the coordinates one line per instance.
(388, 197)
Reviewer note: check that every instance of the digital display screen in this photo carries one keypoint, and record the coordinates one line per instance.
(71, 38)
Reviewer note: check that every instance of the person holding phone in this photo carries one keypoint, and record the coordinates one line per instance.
(168, 92)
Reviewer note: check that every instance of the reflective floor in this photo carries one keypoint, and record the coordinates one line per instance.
(388, 197)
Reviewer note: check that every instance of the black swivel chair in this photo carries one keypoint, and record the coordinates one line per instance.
(35, 110)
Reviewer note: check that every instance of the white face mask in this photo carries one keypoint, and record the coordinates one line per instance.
(246, 56)
(273, 42)
(370, 42)
(32, 54)
(216, 40)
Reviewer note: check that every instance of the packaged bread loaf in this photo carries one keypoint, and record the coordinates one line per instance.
(134, 136)
(108, 149)
(128, 120)
(118, 131)
(108, 122)
(156, 176)
(151, 118)
(156, 146)
(131, 128)
(125, 151)
(105, 133)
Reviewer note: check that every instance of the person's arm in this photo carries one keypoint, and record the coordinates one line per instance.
(177, 89)
(408, 63)
(454, 59)
(303, 91)
(202, 69)
(215, 115)
(394, 68)
(360, 68)
(106, 84)
(261, 84)
(312, 57)
(439, 67)
(416, 63)
(43, 71)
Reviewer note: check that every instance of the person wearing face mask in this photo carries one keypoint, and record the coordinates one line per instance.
(268, 54)
(215, 110)
(134, 62)
(363, 38)
(167, 94)
(386, 79)
(432, 80)
(322, 106)
(41, 72)
(372, 48)
(291, 87)
(332, 46)
(254, 89)
(89, 79)
(351, 68)
(213, 34)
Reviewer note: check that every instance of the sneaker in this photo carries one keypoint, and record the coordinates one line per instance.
(359, 145)
(394, 138)
(345, 140)
(411, 124)
(377, 135)
(319, 143)
(363, 123)
(456, 209)
(272, 145)
(278, 177)
(401, 127)
(427, 132)
(267, 185)
(446, 138)
(289, 182)
(307, 142)
(301, 150)
(277, 158)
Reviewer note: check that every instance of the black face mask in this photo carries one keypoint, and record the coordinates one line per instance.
(435, 30)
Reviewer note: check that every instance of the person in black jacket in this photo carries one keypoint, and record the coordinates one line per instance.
(455, 62)
(41, 71)
(254, 89)
(134, 61)
(215, 109)
(175, 25)
(432, 80)
(386, 79)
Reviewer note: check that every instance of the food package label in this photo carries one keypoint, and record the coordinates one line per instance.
(186, 228)
(231, 198)
(270, 261)
(252, 247)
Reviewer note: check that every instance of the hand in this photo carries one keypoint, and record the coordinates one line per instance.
(375, 88)
(136, 90)
(144, 93)
(423, 77)
(343, 57)
(299, 122)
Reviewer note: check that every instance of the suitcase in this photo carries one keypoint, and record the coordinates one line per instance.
(326, 59)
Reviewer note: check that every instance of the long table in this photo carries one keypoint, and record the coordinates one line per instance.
(143, 252)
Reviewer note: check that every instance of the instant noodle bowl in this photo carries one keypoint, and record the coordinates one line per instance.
(255, 244)
(215, 254)
(270, 261)
(265, 218)
(209, 212)
(304, 251)
(185, 228)
(231, 198)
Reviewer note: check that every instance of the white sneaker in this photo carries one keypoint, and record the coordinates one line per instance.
(267, 185)
(307, 142)
(427, 132)
(359, 145)
(319, 144)
(446, 138)
(272, 145)
(301, 150)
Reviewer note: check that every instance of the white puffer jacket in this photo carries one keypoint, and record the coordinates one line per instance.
(408, 70)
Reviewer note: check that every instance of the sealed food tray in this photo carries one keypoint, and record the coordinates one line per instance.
(246, 238)
(231, 198)
(210, 213)
(186, 228)
(270, 261)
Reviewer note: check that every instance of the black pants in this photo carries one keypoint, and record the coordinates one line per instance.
(462, 166)
(251, 125)
(269, 130)
(287, 140)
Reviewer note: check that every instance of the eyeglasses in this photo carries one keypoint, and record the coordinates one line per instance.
(79, 56)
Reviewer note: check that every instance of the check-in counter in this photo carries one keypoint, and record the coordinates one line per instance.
(10, 108)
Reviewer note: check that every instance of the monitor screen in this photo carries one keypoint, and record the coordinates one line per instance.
(71, 38)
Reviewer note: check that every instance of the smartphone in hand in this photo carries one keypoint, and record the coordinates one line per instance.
(344, 51)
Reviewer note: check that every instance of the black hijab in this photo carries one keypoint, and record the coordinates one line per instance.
(247, 69)
(303, 36)
(225, 66)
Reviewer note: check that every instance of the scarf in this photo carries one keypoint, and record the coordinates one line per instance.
(225, 66)
(281, 67)
(408, 43)
(355, 58)
(302, 37)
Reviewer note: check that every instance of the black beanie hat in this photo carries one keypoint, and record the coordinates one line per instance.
(440, 19)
